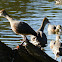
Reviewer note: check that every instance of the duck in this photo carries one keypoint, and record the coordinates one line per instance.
(18, 27)
(54, 29)
(52, 43)
(43, 38)
(58, 28)
(58, 2)
(56, 47)
(51, 28)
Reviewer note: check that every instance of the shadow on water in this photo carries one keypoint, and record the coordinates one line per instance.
(31, 12)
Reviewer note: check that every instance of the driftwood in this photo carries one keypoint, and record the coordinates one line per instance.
(25, 55)
(37, 52)
(28, 53)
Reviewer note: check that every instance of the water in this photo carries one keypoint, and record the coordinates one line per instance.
(31, 12)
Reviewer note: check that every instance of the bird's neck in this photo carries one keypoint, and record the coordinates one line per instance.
(8, 18)
(42, 26)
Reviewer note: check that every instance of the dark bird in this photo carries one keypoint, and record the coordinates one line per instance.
(41, 35)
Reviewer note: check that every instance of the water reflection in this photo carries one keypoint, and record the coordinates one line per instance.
(31, 12)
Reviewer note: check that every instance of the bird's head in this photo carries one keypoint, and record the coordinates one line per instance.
(46, 20)
(3, 13)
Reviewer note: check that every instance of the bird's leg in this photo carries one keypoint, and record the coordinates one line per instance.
(23, 39)
(22, 43)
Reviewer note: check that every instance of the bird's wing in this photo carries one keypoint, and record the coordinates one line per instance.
(24, 28)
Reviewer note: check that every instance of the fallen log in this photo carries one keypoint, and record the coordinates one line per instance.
(37, 52)
(16, 55)
(27, 53)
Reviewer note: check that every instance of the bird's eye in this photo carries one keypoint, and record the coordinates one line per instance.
(34, 38)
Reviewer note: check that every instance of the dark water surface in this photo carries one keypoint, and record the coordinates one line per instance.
(31, 12)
